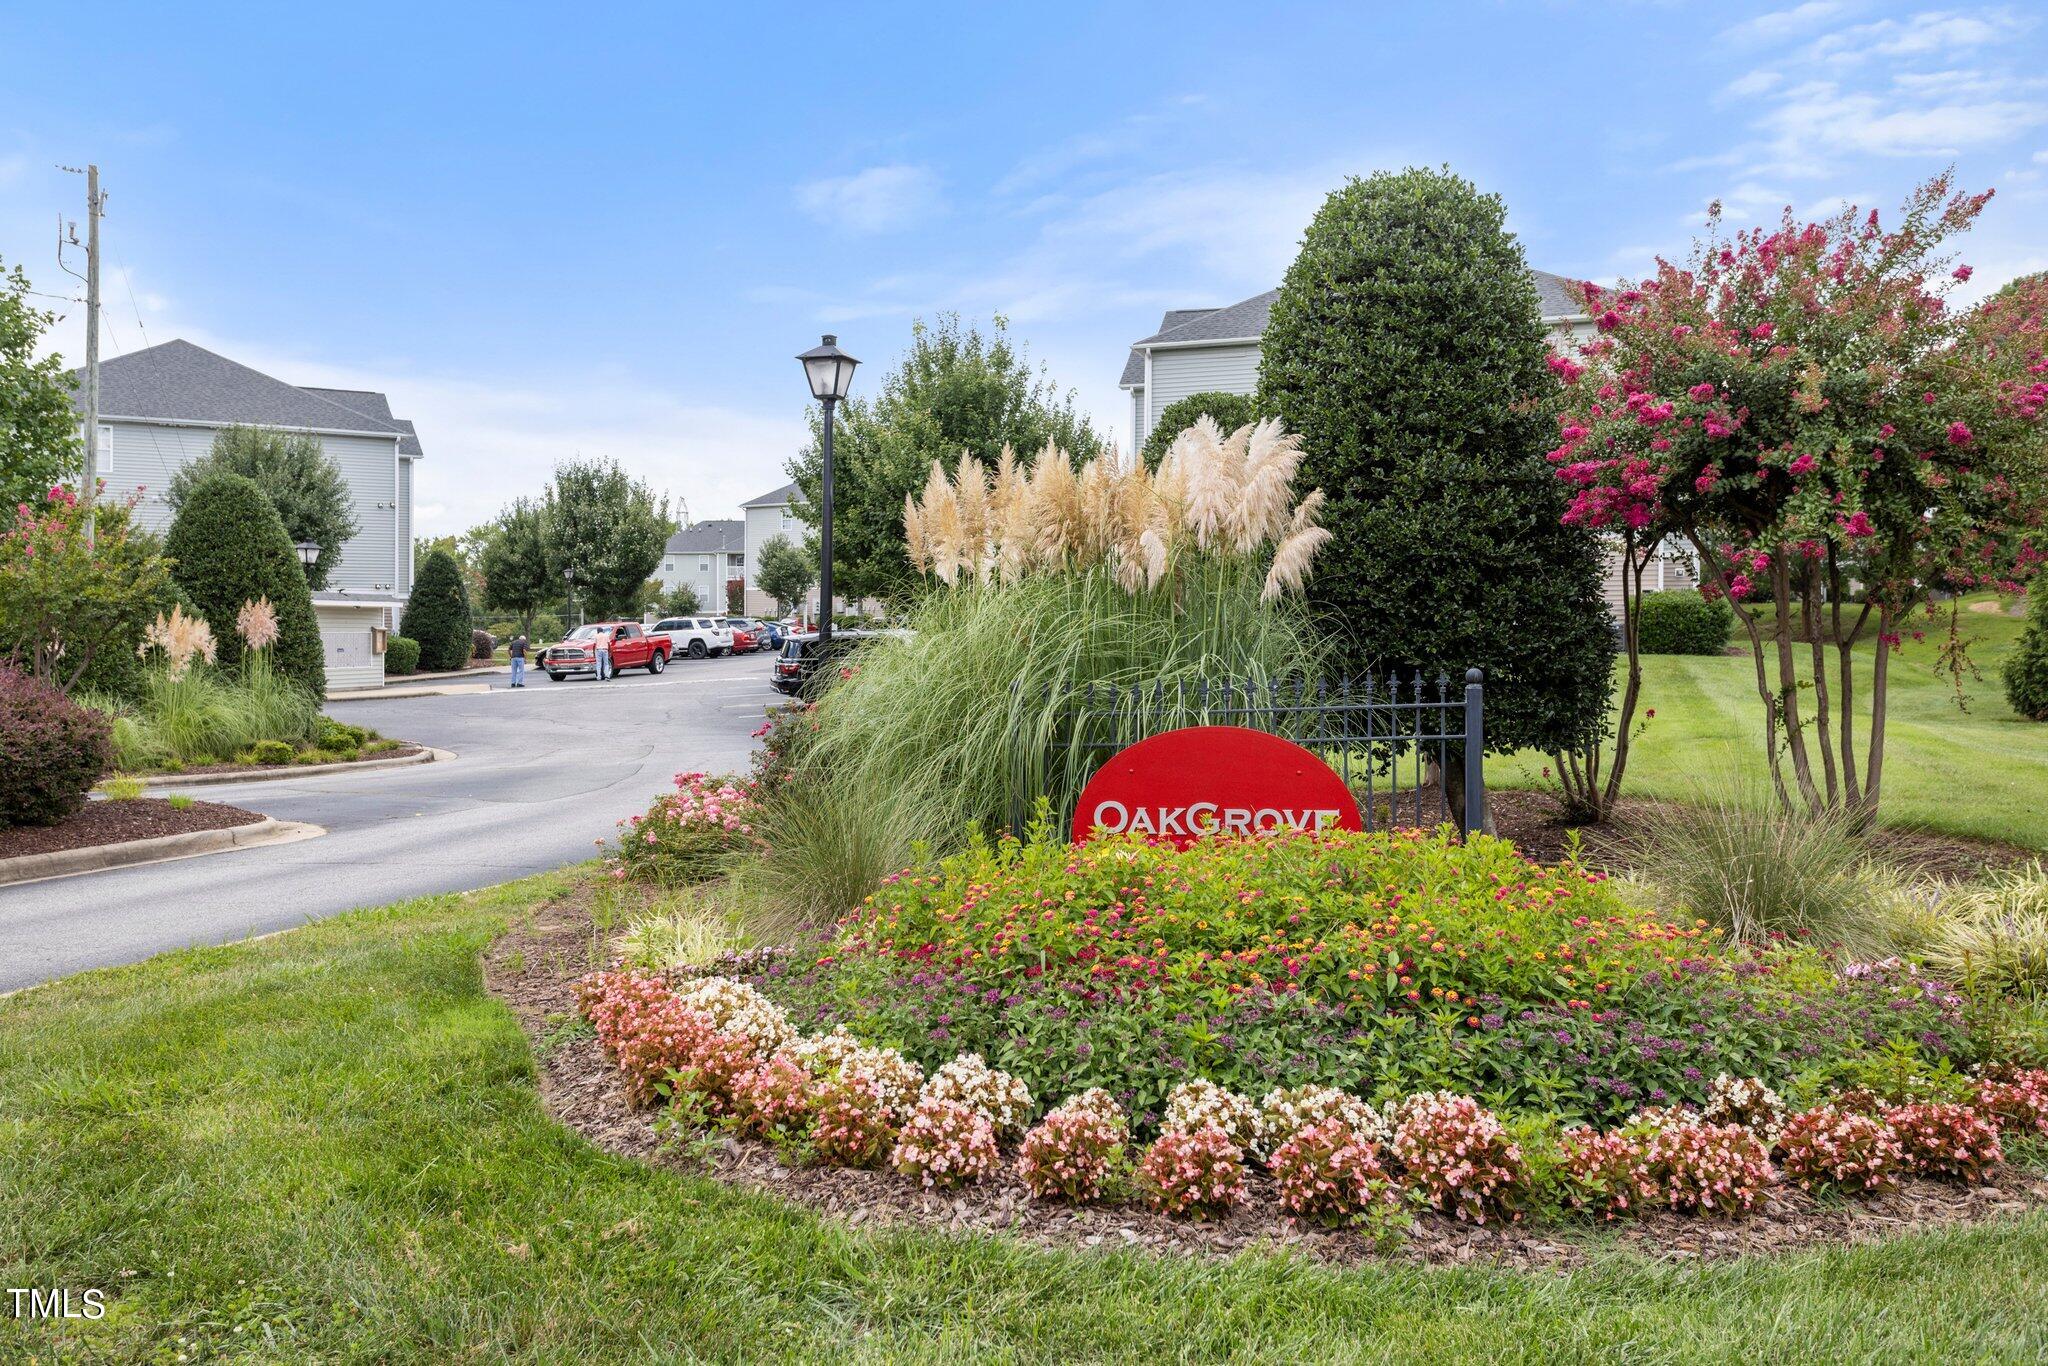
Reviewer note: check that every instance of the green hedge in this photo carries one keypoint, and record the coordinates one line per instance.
(1231, 411)
(401, 655)
(228, 547)
(1681, 622)
(437, 614)
(2026, 668)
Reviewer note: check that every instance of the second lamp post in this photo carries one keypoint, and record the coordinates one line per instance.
(830, 372)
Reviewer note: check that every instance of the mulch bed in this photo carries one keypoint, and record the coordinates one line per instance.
(533, 966)
(401, 752)
(1531, 821)
(111, 822)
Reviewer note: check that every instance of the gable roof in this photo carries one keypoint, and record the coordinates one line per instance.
(717, 537)
(775, 498)
(176, 381)
(1248, 318)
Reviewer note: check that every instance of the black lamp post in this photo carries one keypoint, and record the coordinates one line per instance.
(830, 372)
(569, 584)
(309, 554)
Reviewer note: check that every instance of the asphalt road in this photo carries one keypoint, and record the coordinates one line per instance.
(540, 774)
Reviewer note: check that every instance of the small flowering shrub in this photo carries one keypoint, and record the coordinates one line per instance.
(1327, 1170)
(1100, 1103)
(691, 834)
(822, 1055)
(1710, 1168)
(1285, 1113)
(1826, 1147)
(2019, 1104)
(1459, 1156)
(851, 1124)
(1608, 1171)
(772, 1098)
(1201, 1104)
(973, 1083)
(1196, 1173)
(1747, 1102)
(945, 1143)
(1070, 1154)
(1947, 1140)
(739, 1010)
(896, 1079)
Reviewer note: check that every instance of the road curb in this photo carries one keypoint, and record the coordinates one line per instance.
(406, 690)
(278, 772)
(159, 849)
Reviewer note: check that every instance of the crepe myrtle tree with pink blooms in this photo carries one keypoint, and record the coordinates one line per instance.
(1804, 408)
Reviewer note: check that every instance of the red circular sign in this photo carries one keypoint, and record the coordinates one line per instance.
(1214, 780)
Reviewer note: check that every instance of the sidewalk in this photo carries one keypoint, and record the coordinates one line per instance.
(421, 685)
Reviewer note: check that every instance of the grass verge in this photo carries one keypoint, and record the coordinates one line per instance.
(327, 1145)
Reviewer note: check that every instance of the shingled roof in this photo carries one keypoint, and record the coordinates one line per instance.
(1248, 318)
(179, 382)
(715, 537)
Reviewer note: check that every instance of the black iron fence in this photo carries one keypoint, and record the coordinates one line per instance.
(1409, 747)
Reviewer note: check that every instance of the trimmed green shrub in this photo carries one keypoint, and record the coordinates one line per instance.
(1682, 622)
(2026, 668)
(52, 750)
(332, 734)
(437, 614)
(228, 547)
(482, 644)
(271, 752)
(401, 655)
(1231, 411)
(1407, 349)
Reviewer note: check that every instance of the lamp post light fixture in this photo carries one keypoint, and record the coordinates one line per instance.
(309, 554)
(569, 584)
(830, 372)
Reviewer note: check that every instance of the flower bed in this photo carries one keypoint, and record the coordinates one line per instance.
(1381, 965)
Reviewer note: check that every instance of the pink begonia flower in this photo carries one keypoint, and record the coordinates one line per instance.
(1963, 272)
(1802, 464)
(1701, 393)
(1959, 434)
(1762, 330)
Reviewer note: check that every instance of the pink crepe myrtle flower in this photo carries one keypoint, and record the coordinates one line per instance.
(1762, 330)
(1857, 524)
(1959, 433)
(1802, 465)
(1963, 272)
(1701, 393)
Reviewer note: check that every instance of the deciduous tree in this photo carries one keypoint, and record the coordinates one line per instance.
(65, 605)
(296, 474)
(38, 427)
(784, 573)
(607, 529)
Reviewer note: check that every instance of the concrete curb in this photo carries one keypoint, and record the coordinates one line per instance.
(407, 690)
(161, 849)
(277, 772)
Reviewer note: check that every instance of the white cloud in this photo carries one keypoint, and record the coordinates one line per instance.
(1931, 33)
(1820, 117)
(1754, 83)
(1779, 25)
(878, 199)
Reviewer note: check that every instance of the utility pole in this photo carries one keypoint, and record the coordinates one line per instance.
(95, 205)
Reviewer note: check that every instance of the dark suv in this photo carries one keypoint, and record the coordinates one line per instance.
(804, 669)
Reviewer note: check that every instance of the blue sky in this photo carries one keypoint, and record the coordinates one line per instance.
(548, 232)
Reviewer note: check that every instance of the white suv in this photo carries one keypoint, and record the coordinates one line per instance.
(695, 636)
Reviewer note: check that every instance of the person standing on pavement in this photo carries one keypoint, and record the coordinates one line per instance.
(517, 652)
(604, 654)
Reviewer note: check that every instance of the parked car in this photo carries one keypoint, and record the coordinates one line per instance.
(695, 636)
(773, 634)
(803, 669)
(631, 648)
(746, 634)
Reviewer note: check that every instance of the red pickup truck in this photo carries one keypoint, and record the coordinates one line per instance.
(630, 646)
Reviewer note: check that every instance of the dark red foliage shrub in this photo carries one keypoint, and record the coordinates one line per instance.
(51, 751)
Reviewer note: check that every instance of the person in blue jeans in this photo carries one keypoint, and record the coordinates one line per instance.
(604, 656)
(517, 651)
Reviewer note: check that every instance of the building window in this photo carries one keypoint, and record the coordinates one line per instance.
(668, 566)
(738, 563)
(703, 564)
(106, 461)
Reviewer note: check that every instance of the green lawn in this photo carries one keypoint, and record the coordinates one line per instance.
(1981, 771)
(327, 1145)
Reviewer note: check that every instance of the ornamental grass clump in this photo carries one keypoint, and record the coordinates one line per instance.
(1198, 1173)
(1826, 1148)
(944, 1144)
(1459, 1156)
(852, 1125)
(1048, 581)
(1070, 1154)
(1947, 1140)
(1331, 1172)
(998, 1096)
